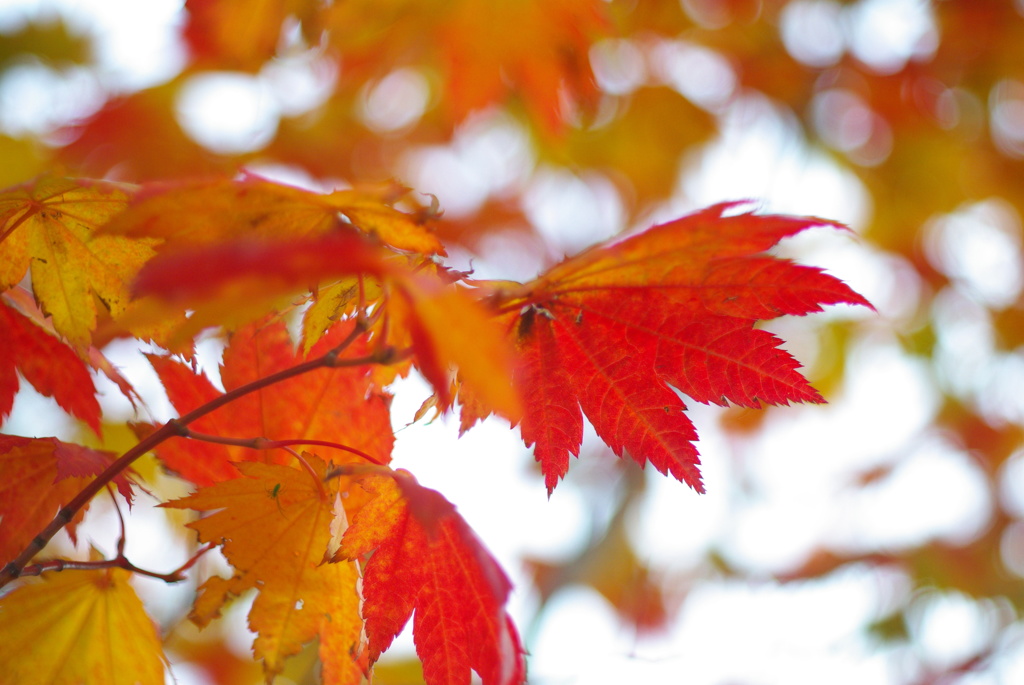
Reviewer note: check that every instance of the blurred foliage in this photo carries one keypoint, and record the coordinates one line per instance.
(50, 42)
(631, 91)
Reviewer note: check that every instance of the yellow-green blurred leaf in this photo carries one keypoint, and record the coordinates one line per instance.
(79, 627)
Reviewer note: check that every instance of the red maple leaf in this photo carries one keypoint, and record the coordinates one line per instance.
(334, 405)
(618, 330)
(37, 477)
(50, 366)
(427, 560)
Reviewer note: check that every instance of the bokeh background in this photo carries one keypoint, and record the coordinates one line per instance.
(878, 539)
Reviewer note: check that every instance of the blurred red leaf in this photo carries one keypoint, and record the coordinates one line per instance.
(51, 367)
(37, 477)
(136, 138)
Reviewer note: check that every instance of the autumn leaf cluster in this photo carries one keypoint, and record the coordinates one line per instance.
(121, 225)
(291, 458)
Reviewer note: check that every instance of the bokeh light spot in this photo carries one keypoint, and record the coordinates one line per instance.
(228, 112)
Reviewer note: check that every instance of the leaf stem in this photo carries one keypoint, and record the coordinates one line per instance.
(267, 444)
(360, 470)
(309, 471)
(121, 540)
(178, 427)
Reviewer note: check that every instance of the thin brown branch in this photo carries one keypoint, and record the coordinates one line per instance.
(120, 561)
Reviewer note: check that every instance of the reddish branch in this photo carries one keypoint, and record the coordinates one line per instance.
(178, 427)
(120, 561)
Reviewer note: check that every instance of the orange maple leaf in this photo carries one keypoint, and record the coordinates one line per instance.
(232, 34)
(51, 367)
(37, 477)
(544, 61)
(335, 405)
(274, 526)
(619, 328)
(79, 627)
(249, 244)
(425, 559)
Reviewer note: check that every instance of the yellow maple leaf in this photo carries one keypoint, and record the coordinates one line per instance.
(79, 627)
(274, 526)
(333, 302)
(49, 226)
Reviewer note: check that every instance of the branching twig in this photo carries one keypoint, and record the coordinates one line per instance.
(175, 576)
(178, 427)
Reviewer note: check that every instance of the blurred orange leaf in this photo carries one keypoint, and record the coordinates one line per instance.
(446, 327)
(236, 282)
(450, 330)
(195, 213)
(544, 61)
(232, 34)
(640, 147)
(544, 58)
(136, 138)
